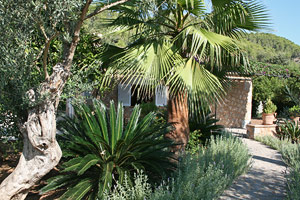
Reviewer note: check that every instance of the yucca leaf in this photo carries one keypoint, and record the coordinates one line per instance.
(127, 156)
(86, 162)
(132, 122)
(121, 173)
(57, 182)
(119, 121)
(112, 120)
(72, 165)
(101, 115)
(120, 148)
(143, 125)
(78, 191)
(106, 178)
(89, 128)
(83, 143)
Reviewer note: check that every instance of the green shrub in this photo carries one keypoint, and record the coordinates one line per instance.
(201, 130)
(291, 156)
(269, 107)
(202, 176)
(207, 174)
(273, 142)
(146, 108)
(100, 151)
(194, 143)
(289, 129)
(294, 111)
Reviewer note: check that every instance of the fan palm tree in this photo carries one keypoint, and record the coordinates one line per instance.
(182, 44)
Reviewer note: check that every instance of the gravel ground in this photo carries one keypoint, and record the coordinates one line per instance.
(265, 180)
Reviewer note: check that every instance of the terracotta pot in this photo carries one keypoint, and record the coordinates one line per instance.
(268, 119)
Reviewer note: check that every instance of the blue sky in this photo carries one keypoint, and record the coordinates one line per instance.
(285, 15)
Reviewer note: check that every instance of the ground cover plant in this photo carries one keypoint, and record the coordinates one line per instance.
(100, 150)
(291, 156)
(204, 175)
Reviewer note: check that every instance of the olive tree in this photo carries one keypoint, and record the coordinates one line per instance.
(30, 89)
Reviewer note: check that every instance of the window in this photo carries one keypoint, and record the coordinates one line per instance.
(138, 99)
(129, 97)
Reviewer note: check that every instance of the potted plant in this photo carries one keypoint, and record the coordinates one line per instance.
(295, 113)
(269, 112)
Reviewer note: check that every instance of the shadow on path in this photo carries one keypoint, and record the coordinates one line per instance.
(277, 162)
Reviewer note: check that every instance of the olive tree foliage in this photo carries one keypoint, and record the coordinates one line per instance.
(31, 85)
(27, 28)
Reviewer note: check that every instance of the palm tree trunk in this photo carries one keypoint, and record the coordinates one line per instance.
(178, 116)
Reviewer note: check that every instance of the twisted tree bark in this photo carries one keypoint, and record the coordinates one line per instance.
(41, 152)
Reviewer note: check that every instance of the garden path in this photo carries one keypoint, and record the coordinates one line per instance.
(265, 180)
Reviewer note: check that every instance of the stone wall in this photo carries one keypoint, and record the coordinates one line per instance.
(235, 110)
(113, 95)
(106, 97)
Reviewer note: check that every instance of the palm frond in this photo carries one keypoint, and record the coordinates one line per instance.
(233, 18)
(78, 191)
(196, 7)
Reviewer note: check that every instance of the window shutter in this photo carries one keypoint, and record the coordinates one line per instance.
(161, 95)
(124, 94)
(70, 108)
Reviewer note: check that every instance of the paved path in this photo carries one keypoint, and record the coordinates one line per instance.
(265, 180)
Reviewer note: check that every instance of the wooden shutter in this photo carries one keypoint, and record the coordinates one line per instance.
(124, 94)
(70, 108)
(161, 95)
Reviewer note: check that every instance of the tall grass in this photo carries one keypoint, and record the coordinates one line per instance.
(200, 176)
(291, 156)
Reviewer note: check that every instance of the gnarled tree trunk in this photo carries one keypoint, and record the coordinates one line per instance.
(41, 152)
(178, 116)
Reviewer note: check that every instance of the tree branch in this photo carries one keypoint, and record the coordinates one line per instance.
(43, 30)
(70, 54)
(37, 58)
(46, 50)
(99, 10)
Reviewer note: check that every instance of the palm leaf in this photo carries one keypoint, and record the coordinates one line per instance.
(101, 116)
(112, 122)
(78, 191)
(132, 122)
(106, 178)
(119, 121)
(72, 165)
(57, 182)
(86, 162)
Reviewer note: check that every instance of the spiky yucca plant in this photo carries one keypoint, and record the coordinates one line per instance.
(100, 150)
(290, 130)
